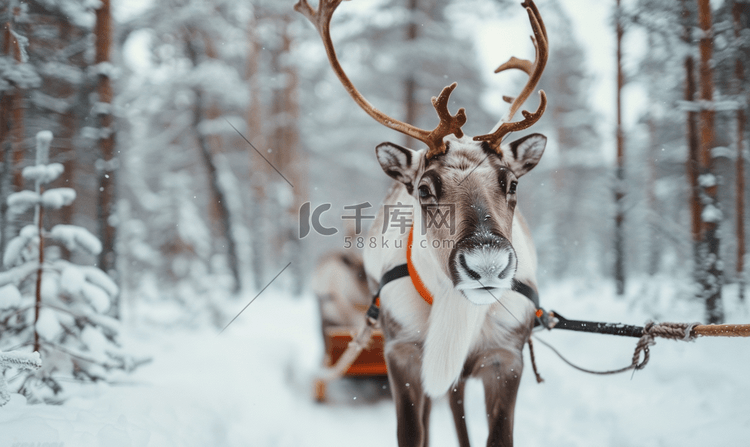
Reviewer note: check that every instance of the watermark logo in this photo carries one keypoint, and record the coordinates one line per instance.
(397, 216)
(440, 216)
(306, 219)
(374, 242)
(358, 216)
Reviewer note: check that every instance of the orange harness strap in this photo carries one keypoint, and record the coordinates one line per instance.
(415, 279)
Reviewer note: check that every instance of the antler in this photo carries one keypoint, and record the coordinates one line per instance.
(449, 124)
(534, 70)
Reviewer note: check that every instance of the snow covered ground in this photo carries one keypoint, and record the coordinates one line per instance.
(250, 387)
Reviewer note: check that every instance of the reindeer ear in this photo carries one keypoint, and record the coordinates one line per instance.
(399, 162)
(524, 153)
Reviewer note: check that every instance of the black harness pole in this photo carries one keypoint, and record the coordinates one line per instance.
(624, 330)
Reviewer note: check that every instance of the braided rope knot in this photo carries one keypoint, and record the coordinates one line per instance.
(651, 330)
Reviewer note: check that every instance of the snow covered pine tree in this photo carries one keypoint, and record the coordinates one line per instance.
(53, 306)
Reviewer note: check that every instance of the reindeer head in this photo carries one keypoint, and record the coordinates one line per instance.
(477, 176)
(477, 185)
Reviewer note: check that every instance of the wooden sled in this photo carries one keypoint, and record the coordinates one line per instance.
(369, 363)
(340, 285)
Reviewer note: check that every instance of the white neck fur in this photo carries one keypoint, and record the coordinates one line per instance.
(453, 325)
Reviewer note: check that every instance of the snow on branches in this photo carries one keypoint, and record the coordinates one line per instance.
(76, 238)
(51, 199)
(18, 247)
(22, 361)
(50, 305)
(17, 75)
(42, 173)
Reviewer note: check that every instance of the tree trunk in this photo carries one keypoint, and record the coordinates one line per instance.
(620, 186)
(40, 268)
(692, 163)
(106, 163)
(294, 160)
(740, 183)
(11, 138)
(258, 167)
(13, 48)
(6, 157)
(220, 200)
(653, 207)
(287, 155)
(17, 132)
(691, 166)
(66, 139)
(209, 147)
(711, 272)
(42, 158)
(410, 84)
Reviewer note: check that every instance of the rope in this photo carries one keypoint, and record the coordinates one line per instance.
(722, 330)
(672, 331)
(573, 365)
(533, 362)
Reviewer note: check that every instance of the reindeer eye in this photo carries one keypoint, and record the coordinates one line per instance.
(513, 186)
(424, 192)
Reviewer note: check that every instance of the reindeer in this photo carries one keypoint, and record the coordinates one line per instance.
(466, 312)
(340, 285)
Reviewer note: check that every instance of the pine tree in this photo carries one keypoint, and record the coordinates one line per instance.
(53, 306)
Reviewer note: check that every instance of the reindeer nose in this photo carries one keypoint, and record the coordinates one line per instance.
(485, 261)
